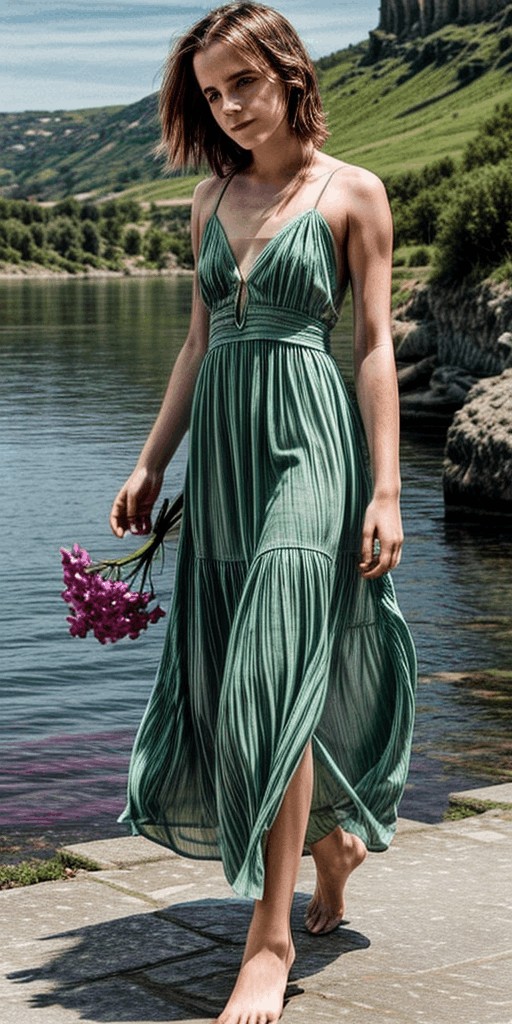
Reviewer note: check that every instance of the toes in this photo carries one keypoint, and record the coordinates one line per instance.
(312, 920)
(311, 909)
(329, 924)
(323, 922)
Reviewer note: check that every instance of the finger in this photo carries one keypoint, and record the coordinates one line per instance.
(367, 554)
(384, 563)
(396, 554)
(118, 523)
(140, 524)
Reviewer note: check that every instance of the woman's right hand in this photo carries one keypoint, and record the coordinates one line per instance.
(131, 511)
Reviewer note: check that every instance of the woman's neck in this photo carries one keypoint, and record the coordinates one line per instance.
(279, 160)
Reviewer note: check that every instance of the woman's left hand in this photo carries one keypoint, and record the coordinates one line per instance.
(382, 524)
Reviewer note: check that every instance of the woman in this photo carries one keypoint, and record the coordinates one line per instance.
(282, 712)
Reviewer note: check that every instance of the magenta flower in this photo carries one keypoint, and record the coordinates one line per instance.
(101, 601)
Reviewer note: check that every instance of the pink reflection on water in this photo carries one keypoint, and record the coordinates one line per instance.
(67, 778)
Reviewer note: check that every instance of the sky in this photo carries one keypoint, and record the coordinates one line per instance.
(72, 54)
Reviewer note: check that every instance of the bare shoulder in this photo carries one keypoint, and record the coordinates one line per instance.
(205, 196)
(357, 187)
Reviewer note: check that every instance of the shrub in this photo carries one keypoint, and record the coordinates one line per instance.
(91, 239)
(11, 232)
(132, 242)
(111, 228)
(65, 237)
(69, 207)
(475, 228)
(182, 249)
(38, 233)
(89, 211)
(493, 141)
(130, 210)
(26, 244)
(156, 245)
(419, 257)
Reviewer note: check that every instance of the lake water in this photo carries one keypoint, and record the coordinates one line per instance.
(84, 366)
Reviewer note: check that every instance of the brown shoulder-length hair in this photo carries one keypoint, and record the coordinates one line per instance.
(263, 37)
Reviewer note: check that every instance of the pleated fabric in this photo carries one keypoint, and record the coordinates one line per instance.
(274, 639)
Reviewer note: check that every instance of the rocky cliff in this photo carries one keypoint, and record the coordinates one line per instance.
(454, 352)
(420, 17)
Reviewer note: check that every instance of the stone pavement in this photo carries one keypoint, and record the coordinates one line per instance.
(154, 937)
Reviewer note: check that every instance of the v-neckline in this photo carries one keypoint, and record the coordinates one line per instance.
(245, 278)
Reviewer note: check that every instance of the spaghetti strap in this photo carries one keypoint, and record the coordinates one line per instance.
(223, 189)
(322, 190)
(232, 175)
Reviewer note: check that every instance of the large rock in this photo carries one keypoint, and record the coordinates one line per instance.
(467, 325)
(467, 328)
(477, 472)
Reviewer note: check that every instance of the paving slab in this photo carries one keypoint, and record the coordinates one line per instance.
(155, 937)
(120, 852)
(431, 900)
(405, 825)
(168, 881)
(115, 1000)
(486, 794)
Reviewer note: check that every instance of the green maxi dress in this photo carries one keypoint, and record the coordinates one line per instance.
(274, 639)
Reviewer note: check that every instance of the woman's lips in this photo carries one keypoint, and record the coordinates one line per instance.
(243, 124)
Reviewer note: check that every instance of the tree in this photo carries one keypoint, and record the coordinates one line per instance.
(132, 242)
(69, 207)
(91, 238)
(89, 211)
(492, 142)
(156, 245)
(65, 237)
(475, 228)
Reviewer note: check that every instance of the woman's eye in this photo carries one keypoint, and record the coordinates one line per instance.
(246, 80)
(212, 96)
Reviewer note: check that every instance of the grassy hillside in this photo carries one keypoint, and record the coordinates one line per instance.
(419, 103)
(396, 110)
(53, 155)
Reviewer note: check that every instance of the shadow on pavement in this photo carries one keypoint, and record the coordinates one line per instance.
(176, 964)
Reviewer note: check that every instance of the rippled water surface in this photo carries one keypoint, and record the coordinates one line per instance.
(84, 366)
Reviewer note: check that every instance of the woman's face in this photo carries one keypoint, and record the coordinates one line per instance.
(249, 104)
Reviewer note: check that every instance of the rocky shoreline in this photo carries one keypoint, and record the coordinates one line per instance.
(36, 272)
(454, 362)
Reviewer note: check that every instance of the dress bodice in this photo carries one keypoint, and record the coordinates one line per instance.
(296, 272)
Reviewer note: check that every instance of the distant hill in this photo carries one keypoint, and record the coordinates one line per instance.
(51, 155)
(393, 103)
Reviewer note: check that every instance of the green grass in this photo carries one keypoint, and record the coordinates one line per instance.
(167, 188)
(406, 280)
(29, 872)
(387, 126)
(468, 808)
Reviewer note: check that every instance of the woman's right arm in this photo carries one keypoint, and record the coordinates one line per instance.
(133, 504)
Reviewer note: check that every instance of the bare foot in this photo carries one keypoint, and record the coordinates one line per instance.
(258, 995)
(335, 856)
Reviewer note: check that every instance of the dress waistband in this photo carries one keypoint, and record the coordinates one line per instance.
(268, 323)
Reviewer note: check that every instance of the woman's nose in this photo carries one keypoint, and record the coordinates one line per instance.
(231, 105)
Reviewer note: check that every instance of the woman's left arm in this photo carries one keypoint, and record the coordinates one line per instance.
(369, 252)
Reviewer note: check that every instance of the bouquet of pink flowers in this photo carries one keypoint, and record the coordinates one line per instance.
(102, 596)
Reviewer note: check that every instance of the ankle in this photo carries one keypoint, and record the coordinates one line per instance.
(267, 933)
